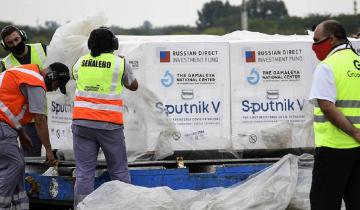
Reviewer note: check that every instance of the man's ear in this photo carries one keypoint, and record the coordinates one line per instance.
(333, 40)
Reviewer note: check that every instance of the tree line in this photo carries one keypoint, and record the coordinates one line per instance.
(218, 18)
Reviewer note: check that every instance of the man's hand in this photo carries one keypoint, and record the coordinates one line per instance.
(43, 132)
(133, 86)
(50, 159)
(25, 140)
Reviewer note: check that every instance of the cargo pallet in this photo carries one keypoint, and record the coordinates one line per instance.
(56, 192)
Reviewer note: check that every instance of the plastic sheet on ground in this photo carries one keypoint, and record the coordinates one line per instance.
(284, 185)
(52, 171)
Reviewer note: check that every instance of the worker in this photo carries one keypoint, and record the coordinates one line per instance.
(97, 116)
(22, 97)
(13, 39)
(335, 93)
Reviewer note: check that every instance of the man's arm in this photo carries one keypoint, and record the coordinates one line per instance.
(338, 119)
(43, 132)
(129, 79)
(36, 97)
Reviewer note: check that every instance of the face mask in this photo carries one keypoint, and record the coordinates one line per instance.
(48, 86)
(322, 49)
(18, 49)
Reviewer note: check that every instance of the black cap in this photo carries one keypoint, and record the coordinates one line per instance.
(58, 72)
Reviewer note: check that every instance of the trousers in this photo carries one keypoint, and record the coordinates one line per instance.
(12, 171)
(336, 175)
(86, 143)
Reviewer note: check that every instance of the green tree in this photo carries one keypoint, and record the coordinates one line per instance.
(147, 25)
(218, 14)
(266, 9)
(212, 11)
(214, 31)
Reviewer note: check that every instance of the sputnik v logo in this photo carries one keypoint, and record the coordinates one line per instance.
(254, 77)
(167, 79)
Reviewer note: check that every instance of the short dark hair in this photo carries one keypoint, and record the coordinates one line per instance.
(100, 41)
(7, 30)
(333, 27)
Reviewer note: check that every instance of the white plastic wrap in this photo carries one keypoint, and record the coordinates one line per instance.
(51, 171)
(271, 189)
(148, 127)
(225, 109)
(67, 45)
(138, 117)
(70, 40)
(300, 199)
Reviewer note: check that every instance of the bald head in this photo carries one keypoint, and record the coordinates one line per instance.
(328, 35)
(330, 28)
(333, 27)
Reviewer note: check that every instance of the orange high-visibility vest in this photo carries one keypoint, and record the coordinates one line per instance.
(99, 88)
(14, 108)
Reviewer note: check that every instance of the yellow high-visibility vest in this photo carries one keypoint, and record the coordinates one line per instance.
(345, 65)
(37, 53)
(99, 88)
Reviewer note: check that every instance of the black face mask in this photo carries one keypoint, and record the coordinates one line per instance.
(48, 85)
(18, 49)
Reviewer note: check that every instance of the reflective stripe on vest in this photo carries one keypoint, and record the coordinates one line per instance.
(15, 119)
(99, 99)
(88, 94)
(13, 105)
(321, 119)
(27, 71)
(104, 107)
(10, 115)
(342, 63)
(76, 69)
(1, 78)
(37, 53)
(342, 104)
